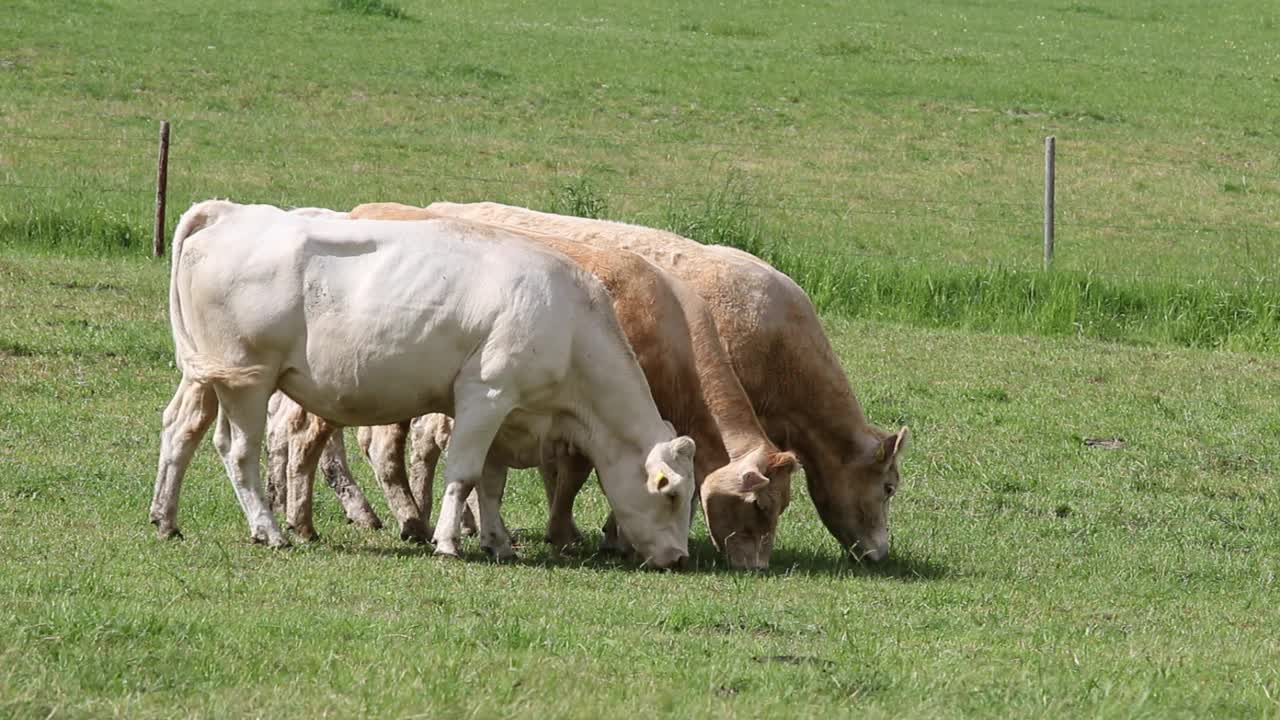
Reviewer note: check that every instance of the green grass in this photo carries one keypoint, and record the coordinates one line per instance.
(1133, 309)
(888, 156)
(1032, 575)
(891, 131)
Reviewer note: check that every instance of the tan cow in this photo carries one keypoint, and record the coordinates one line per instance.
(745, 479)
(780, 354)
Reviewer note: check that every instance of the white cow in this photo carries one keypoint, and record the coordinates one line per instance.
(370, 322)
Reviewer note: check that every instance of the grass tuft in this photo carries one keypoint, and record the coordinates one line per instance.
(370, 7)
(578, 197)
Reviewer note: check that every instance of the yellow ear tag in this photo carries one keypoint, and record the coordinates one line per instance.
(660, 477)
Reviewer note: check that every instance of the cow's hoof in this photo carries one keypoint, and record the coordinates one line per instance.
(305, 533)
(611, 546)
(168, 533)
(502, 556)
(562, 537)
(367, 520)
(499, 549)
(445, 548)
(270, 537)
(414, 530)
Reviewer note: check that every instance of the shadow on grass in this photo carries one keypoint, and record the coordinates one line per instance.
(532, 551)
(901, 565)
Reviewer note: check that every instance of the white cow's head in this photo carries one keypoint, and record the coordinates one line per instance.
(653, 515)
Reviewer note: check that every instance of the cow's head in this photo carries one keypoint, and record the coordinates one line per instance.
(654, 516)
(742, 502)
(855, 505)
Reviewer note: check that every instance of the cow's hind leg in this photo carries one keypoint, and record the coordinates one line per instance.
(430, 435)
(278, 411)
(337, 474)
(245, 417)
(423, 458)
(384, 445)
(307, 439)
(186, 419)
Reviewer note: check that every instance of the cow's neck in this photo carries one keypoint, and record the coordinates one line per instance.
(736, 426)
(616, 414)
(824, 426)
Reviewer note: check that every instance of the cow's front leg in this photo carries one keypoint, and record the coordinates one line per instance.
(563, 478)
(614, 541)
(494, 537)
(481, 410)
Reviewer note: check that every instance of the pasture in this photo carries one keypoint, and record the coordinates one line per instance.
(886, 155)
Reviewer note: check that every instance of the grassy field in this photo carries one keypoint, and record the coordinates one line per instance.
(887, 155)
(1031, 575)
(885, 131)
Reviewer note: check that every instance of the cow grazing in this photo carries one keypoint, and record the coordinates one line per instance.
(744, 478)
(780, 354)
(367, 323)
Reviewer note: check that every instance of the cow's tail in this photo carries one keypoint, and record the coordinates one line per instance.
(195, 366)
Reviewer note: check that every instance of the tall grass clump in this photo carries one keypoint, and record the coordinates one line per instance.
(74, 229)
(578, 197)
(725, 216)
(1204, 314)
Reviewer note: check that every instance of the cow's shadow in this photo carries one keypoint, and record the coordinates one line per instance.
(532, 551)
(900, 565)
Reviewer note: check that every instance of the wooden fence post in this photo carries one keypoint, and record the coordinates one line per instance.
(162, 180)
(1048, 201)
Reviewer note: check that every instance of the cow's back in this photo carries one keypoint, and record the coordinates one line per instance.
(370, 322)
(766, 321)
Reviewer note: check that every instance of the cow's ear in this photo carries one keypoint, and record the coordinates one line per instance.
(684, 446)
(893, 446)
(782, 464)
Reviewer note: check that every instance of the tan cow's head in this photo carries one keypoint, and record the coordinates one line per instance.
(742, 502)
(856, 508)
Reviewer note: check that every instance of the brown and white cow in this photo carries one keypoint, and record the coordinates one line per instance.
(780, 354)
(744, 478)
